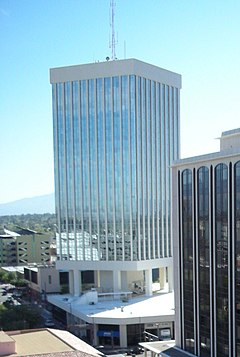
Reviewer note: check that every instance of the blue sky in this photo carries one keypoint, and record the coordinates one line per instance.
(198, 39)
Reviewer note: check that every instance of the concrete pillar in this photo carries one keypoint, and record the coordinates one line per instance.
(116, 280)
(148, 282)
(71, 282)
(95, 338)
(170, 279)
(162, 277)
(77, 282)
(97, 278)
(123, 335)
(124, 281)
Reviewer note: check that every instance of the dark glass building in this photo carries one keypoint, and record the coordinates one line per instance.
(206, 233)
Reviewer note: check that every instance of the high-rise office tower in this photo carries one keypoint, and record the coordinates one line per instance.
(116, 132)
(206, 233)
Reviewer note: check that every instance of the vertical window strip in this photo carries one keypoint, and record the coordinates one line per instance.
(56, 167)
(121, 166)
(73, 188)
(221, 245)
(230, 260)
(171, 157)
(194, 239)
(100, 166)
(116, 163)
(203, 262)
(89, 173)
(167, 163)
(181, 257)
(138, 161)
(163, 165)
(154, 170)
(130, 161)
(96, 245)
(212, 262)
(157, 168)
(188, 259)
(214, 319)
(143, 120)
(114, 246)
(65, 199)
(92, 169)
(81, 239)
(148, 164)
(105, 173)
(84, 176)
(236, 260)
(68, 166)
(134, 168)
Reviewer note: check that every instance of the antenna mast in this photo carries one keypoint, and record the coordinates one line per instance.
(113, 42)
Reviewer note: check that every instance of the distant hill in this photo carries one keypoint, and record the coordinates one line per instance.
(39, 204)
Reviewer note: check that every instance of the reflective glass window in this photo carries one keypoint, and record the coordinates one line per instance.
(85, 160)
(133, 167)
(237, 253)
(126, 166)
(109, 166)
(139, 168)
(221, 229)
(77, 155)
(204, 260)
(117, 168)
(163, 171)
(187, 244)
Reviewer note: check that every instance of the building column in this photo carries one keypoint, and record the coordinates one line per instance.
(170, 278)
(95, 338)
(77, 282)
(97, 278)
(162, 278)
(148, 282)
(116, 281)
(71, 282)
(123, 335)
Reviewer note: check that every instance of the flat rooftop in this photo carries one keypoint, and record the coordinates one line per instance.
(48, 342)
(139, 309)
(164, 348)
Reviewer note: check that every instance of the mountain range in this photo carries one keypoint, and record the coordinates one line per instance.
(38, 204)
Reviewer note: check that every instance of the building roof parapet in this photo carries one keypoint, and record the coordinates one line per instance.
(115, 68)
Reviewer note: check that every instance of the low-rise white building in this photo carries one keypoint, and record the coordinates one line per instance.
(117, 319)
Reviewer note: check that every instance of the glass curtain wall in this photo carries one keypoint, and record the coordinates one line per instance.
(203, 261)
(187, 244)
(115, 138)
(237, 255)
(221, 247)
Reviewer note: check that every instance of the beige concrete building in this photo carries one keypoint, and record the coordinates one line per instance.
(44, 342)
(25, 246)
(42, 278)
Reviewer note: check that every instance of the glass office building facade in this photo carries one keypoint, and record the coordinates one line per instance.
(207, 251)
(116, 132)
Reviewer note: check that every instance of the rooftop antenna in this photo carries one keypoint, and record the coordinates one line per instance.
(113, 41)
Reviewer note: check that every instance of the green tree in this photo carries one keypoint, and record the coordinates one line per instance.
(19, 317)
